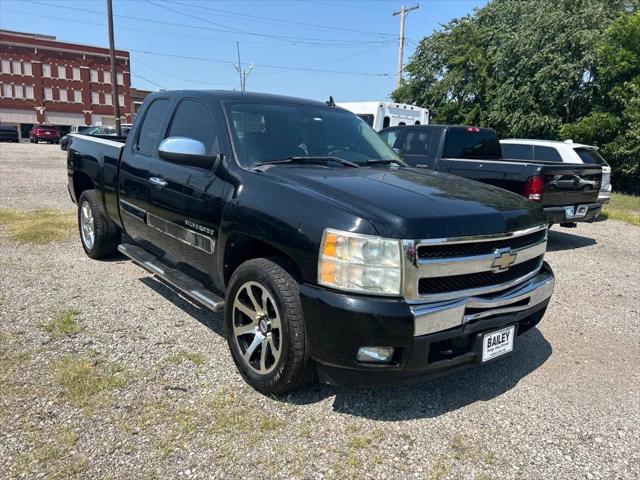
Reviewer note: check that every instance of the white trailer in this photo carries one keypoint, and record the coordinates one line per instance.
(387, 114)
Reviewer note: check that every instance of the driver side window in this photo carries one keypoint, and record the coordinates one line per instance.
(193, 120)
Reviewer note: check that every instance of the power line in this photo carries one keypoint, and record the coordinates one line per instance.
(149, 81)
(284, 38)
(331, 61)
(137, 60)
(280, 67)
(237, 30)
(177, 34)
(228, 62)
(278, 20)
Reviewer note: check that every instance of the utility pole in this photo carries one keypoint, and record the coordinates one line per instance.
(242, 73)
(403, 13)
(114, 72)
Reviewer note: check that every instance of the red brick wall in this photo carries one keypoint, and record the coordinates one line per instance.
(40, 51)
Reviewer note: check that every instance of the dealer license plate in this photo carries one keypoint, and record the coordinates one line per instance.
(573, 212)
(497, 343)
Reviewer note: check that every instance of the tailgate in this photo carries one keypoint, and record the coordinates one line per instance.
(570, 184)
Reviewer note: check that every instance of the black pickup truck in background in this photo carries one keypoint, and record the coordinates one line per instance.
(325, 251)
(567, 192)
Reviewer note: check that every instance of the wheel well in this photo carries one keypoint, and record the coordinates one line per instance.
(240, 248)
(81, 182)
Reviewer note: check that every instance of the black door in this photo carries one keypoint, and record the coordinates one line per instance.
(134, 171)
(186, 201)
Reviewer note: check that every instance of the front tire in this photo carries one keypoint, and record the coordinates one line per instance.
(265, 327)
(99, 236)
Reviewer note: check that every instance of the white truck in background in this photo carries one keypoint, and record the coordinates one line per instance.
(381, 115)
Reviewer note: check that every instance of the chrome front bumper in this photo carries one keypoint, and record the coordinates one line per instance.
(438, 316)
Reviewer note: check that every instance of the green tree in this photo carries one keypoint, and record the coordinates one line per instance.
(615, 122)
(525, 68)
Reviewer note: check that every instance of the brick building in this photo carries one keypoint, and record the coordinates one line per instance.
(43, 80)
(137, 98)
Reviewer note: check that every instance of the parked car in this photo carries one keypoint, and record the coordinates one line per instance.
(555, 151)
(96, 131)
(325, 251)
(9, 134)
(475, 153)
(80, 128)
(44, 133)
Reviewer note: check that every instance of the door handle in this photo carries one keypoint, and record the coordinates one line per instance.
(158, 182)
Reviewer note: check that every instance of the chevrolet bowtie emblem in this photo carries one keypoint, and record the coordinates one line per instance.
(504, 259)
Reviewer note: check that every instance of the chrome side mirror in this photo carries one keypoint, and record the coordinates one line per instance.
(187, 151)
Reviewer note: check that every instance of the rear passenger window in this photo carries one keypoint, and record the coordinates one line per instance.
(517, 152)
(547, 154)
(192, 120)
(150, 131)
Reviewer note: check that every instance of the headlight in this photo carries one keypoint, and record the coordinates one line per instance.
(360, 263)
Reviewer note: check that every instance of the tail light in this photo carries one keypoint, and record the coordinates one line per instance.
(534, 188)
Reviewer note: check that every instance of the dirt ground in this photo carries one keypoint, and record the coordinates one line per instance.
(107, 373)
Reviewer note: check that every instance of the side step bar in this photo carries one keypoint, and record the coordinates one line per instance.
(183, 282)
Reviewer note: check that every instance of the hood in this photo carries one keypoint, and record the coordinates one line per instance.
(411, 203)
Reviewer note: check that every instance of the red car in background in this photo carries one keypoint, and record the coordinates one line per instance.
(44, 133)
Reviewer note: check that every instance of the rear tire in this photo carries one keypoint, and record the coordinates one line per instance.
(100, 237)
(265, 328)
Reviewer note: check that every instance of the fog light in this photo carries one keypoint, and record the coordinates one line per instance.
(375, 354)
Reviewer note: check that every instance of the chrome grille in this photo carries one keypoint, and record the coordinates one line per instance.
(479, 248)
(443, 269)
(436, 285)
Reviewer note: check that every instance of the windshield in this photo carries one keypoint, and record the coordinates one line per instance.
(263, 132)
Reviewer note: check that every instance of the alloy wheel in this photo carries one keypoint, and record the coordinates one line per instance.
(87, 225)
(257, 328)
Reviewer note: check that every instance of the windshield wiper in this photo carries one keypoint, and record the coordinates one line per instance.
(308, 160)
(384, 161)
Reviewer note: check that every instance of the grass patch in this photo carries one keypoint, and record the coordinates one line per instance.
(358, 442)
(84, 381)
(360, 450)
(10, 361)
(268, 424)
(39, 226)
(63, 323)
(195, 358)
(56, 456)
(625, 208)
(439, 469)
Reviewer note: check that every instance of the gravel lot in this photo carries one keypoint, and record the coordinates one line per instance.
(147, 389)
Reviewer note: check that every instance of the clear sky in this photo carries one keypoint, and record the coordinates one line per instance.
(313, 49)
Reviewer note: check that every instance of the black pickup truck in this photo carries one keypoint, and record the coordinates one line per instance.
(567, 192)
(326, 252)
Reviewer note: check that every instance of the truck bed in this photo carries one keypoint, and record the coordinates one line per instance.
(98, 159)
(564, 184)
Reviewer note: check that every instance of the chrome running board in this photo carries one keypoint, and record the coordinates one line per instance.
(180, 280)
